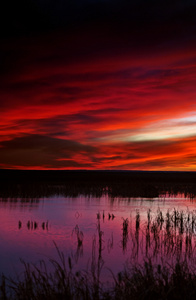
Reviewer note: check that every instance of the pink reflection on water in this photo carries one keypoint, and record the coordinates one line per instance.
(29, 229)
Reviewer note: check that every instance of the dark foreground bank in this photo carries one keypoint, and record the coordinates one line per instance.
(35, 184)
(141, 282)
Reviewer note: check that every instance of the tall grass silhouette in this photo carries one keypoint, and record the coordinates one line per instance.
(167, 270)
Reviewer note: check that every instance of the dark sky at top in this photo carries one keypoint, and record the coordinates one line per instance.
(159, 19)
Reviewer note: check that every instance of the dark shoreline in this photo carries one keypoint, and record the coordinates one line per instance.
(149, 184)
(16, 175)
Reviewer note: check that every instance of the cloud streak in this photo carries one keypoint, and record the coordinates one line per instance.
(43, 152)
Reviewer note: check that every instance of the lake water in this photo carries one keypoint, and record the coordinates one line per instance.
(29, 228)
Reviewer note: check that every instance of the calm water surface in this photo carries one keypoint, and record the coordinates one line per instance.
(28, 229)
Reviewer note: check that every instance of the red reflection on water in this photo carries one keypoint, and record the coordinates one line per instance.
(91, 231)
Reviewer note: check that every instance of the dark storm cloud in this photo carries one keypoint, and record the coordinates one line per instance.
(42, 151)
(45, 142)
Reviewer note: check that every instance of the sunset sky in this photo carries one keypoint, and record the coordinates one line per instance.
(98, 84)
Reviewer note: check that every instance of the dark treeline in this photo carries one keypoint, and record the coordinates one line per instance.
(35, 184)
